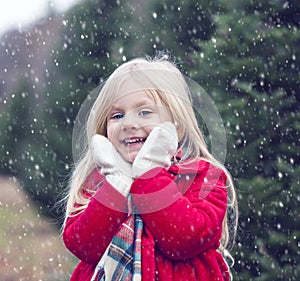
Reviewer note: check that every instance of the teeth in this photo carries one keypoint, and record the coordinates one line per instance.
(134, 140)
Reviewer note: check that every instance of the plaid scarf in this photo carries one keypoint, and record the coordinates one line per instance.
(122, 259)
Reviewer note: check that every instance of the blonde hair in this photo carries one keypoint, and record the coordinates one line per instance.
(168, 87)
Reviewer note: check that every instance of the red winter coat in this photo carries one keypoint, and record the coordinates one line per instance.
(182, 225)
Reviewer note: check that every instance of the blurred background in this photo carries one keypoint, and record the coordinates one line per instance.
(245, 54)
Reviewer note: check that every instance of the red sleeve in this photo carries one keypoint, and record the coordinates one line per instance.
(190, 223)
(88, 234)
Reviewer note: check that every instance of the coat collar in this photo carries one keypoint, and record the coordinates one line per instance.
(190, 166)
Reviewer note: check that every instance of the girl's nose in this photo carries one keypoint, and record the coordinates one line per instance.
(130, 121)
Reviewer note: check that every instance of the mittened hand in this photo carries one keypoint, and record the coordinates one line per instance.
(158, 149)
(116, 170)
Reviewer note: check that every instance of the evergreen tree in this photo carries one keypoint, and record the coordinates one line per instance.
(13, 127)
(250, 66)
(175, 26)
(40, 154)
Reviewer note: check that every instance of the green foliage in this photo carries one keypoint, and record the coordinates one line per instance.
(250, 67)
(13, 128)
(30, 147)
(41, 123)
(178, 24)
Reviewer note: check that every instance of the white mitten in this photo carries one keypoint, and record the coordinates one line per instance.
(158, 149)
(116, 170)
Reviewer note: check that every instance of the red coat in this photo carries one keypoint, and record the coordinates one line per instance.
(182, 223)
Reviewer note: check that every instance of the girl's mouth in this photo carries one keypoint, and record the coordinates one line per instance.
(132, 141)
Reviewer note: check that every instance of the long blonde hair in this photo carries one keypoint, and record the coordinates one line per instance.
(167, 85)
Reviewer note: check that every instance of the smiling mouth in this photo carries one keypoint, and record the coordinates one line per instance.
(135, 141)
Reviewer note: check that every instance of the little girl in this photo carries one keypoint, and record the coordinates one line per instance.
(147, 200)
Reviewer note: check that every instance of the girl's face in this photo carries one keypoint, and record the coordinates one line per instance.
(131, 119)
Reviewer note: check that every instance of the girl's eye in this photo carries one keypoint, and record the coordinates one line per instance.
(145, 112)
(117, 116)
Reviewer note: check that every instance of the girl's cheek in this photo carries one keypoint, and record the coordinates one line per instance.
(152, 122)
(110, 131)
(149, 127)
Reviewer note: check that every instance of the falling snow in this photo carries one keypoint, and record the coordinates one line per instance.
(245, 56)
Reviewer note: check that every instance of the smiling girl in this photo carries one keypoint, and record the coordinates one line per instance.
(147, 200)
